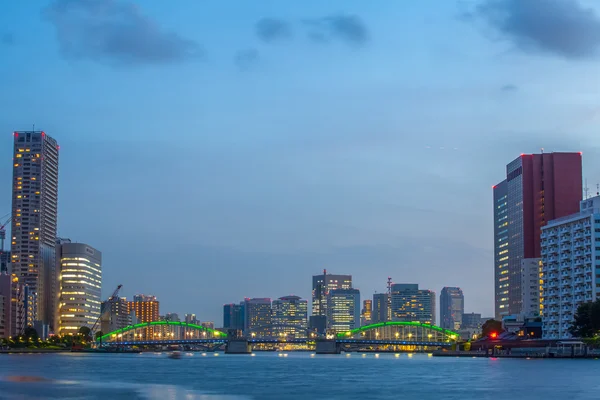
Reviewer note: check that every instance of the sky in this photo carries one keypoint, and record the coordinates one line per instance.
(215, 150)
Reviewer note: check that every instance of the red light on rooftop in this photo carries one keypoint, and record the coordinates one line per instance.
(57, 147)
(15, 134)
(493, 335)
(522, 154)
(494, 186)
(581, 153)
(43, 133)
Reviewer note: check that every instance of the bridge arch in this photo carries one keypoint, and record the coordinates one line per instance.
(151, 326)
(404, 330)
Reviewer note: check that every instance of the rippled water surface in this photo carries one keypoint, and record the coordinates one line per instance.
(297, 376)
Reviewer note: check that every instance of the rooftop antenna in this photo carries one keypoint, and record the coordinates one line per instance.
(389, 298)
(586, 190)
(542, 149)
(597, 189)
(33, 129)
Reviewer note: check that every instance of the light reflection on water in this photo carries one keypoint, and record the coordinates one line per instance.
(294, 376)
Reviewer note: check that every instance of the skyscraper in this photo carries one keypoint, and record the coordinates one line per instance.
(34, 218)
(191, 319)
(343, 312)
(321, 285)
(538, 188)
(380, 307)
(257, 316)
(290, 316)
(452, 308)
(233, 316)
(409, 303)
(80, 280)
(366, 315)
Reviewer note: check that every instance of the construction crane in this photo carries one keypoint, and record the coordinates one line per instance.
(107, 308)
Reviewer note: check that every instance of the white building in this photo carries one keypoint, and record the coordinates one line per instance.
(80, 285)
(531, 287)
(571, 263)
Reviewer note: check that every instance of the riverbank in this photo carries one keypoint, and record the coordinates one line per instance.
(34, 351)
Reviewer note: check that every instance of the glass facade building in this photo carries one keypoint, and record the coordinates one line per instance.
(80, 286)
(452, 308)
(343, 310)
(409, 303)
(290, 317)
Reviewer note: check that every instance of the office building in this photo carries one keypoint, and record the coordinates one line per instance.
(366, 315)
(452, 308)
(380, 308)
(471, 320)
(13, 305)
(321, 285)
(290, 316)
(80, 285)
(257, 316)
(3, 324)
(531, 287)
(116, 315)
(234, 317)
(34, 218)
(571, 267)
(538, 188)
(343, 312)
(409, 303)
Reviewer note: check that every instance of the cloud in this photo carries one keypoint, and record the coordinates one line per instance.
(561, 27)
(509, 88)
(348, 28)
(115, 31)
(244, 59)
(7, 39)
(271, 29)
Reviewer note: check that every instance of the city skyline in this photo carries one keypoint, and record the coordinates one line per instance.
(371, 161)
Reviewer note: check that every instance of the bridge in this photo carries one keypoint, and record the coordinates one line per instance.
(384, 336)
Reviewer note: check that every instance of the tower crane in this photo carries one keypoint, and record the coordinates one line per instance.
(108, 309)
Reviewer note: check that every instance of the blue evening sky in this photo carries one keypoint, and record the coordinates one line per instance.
(216, 150)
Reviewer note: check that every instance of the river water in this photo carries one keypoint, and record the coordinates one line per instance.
(295, 376)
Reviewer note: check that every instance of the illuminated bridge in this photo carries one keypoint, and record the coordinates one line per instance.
(385, 336)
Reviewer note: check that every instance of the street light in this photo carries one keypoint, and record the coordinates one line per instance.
(397, 335)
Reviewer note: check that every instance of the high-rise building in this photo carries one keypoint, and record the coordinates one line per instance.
(452, 308)
(80, 286)
(409, 303)
(5, 262)
(173, 317)
(321, 285)
(380, 308)
(538, 188)
(234, 316)
(115, 315)
(343, 312)
(290, 316)
(34, 218)
(531, 287)
(3, 323)
(366, 315)
(146, 309)
(471, 320)
(571, 267)
(13, 305)
(208, 324)
(191, 319)
(257, 316)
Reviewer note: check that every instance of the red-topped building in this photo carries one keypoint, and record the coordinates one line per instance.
(538, 188)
